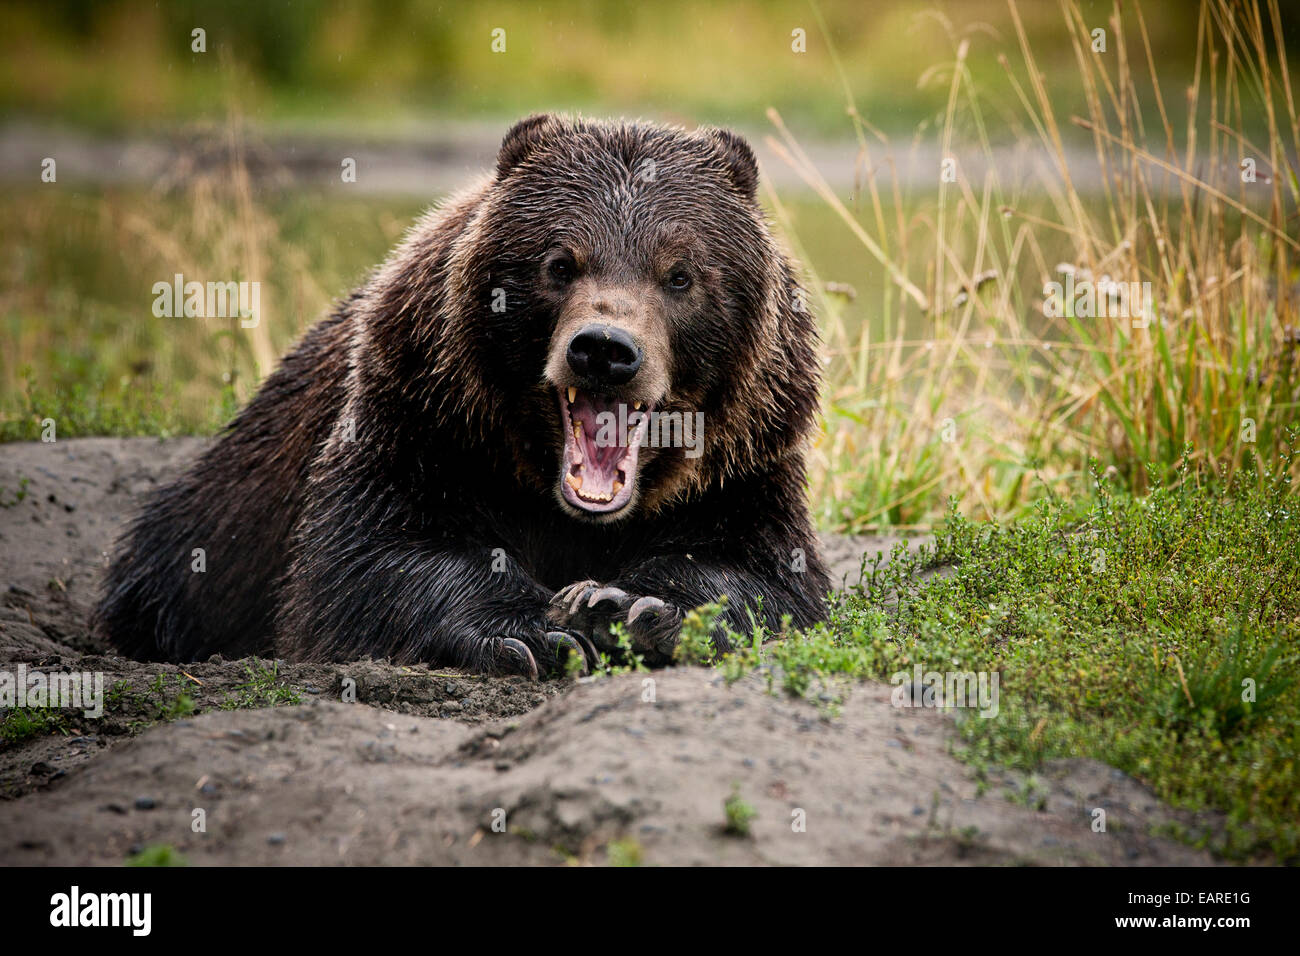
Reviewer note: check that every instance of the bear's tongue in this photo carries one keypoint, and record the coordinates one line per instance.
(602, 438)
(597, 476)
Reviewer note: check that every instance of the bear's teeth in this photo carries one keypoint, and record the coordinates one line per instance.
(573, 394)
(638, 405)
(575, 482)
(591, 496)
(618, 486)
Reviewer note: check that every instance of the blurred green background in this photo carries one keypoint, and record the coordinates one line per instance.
(392, 66)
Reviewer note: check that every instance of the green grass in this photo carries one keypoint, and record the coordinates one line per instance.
(159, 854)
(1128, 629)
(82, 345)
(90, 406)
(162, 701)
(264, 688)
(173, 707)
(24, 723)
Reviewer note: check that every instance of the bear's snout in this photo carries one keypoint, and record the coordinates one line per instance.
(604, 355)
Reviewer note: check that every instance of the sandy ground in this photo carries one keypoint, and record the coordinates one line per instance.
(442, 767)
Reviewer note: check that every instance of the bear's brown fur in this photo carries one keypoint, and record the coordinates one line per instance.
(419, 480)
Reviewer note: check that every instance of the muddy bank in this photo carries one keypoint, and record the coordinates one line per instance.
(418, 765)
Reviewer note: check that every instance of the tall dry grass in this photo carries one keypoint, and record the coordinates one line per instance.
(963, 350)
(83, 344)
(230, 233)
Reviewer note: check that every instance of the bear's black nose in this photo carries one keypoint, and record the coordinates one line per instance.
(604, 355)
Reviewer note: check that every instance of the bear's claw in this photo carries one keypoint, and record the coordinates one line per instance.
(564, 644)
(646, 605)
(590, 610)
(514, 657)
(608, 600)
(567, 600)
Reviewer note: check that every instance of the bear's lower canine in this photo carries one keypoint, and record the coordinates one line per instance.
(576, 394)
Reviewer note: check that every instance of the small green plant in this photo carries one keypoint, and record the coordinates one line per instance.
(625, 660)
(161, 700)
(625, 853)
(117, 693)
(158, 854)
(16, 497)
(1033, 793)
(24, 723)
(573, 665)
(262, 689)
(695, 644)
(740, 815)
(182, 705)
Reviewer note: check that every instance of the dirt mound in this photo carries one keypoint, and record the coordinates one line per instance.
(423, 763)
(634, 767)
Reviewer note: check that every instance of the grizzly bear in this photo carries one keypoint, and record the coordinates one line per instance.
(576, 394)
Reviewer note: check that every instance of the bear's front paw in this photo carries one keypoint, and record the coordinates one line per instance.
(591, 609)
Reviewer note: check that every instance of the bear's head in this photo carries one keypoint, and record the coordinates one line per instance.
(616, 316)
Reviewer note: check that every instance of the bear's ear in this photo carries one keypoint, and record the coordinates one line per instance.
(524, 137)
(739, 158)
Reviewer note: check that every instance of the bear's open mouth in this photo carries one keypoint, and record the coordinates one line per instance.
(602, 438)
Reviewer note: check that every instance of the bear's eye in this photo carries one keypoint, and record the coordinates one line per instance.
(562, 270)
(679, 280)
